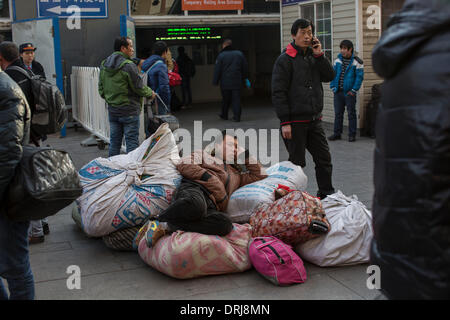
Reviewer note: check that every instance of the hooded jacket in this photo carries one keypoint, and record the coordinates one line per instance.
(121, 85)
(297, 92)
(15, 118)
(411, 211)
(353, 76)
(231, 69)
(219, 179)
(158, 78)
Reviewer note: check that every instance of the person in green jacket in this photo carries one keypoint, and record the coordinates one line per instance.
(123, 89)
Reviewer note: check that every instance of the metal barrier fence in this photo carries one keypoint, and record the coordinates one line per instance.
(88, 108)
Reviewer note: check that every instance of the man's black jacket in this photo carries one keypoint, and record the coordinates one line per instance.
(231, 69)
(22, 81)
(297, 92)
(25, 85)
(411, 206)
(185, 67)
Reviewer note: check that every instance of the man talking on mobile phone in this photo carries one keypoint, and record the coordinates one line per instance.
(297, 95)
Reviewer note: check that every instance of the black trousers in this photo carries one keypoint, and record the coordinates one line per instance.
(231, 97)
(186, 91)
(193, 211)
(311, 136)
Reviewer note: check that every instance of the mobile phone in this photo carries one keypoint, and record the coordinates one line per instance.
(314, 42)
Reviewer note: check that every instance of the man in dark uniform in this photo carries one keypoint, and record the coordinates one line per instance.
(27, 56)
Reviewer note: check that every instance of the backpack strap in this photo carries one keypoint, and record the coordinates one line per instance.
(22, 71)
(157, 62)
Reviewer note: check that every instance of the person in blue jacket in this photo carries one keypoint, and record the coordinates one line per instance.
(158, 75)
(349, 70)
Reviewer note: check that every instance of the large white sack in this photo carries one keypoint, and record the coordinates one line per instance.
(348, 241)
(122, 191)
(245, 199)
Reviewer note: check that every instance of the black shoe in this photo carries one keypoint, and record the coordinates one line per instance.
(222, 117)
(34, 240)
(351, 139)
(46, 228)
(322, 195)
(236, 120)
(334, 137)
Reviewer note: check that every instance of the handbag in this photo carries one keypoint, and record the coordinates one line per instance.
(174, 79)
(45, 182)
(276, 261)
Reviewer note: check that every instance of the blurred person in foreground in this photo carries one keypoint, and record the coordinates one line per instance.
(411, 211)
(15, 118)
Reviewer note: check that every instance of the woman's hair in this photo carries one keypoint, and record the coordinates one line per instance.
(169, 60)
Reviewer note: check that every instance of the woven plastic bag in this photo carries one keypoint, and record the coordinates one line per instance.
(351, 233)
(124, 190)
(244, 200)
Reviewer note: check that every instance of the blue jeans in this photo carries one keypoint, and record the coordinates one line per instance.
(14, 260)
(341, 100)
(120, 126)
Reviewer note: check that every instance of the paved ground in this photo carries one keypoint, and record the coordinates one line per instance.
(107, 274)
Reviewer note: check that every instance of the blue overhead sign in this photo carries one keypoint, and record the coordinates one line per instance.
(70, 8)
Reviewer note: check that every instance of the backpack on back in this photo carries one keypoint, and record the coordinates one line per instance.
(50, 112)
(276, 261)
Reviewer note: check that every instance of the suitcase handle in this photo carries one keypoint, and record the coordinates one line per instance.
(165, 106)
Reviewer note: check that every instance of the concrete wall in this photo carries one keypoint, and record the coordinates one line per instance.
(87, 46)
(370, 38)
(290, 14)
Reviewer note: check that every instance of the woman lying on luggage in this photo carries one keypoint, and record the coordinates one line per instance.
(201, 199)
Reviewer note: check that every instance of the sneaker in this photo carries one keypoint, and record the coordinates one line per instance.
(351, 139)
(334, 137)
(139, 235)
(154, 232)
(46, 228)
(236, 120)
(222, 117)
(35, 240)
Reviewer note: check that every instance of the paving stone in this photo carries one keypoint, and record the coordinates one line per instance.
(318, 286)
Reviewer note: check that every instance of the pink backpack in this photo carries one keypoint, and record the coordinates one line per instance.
(276, 261)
